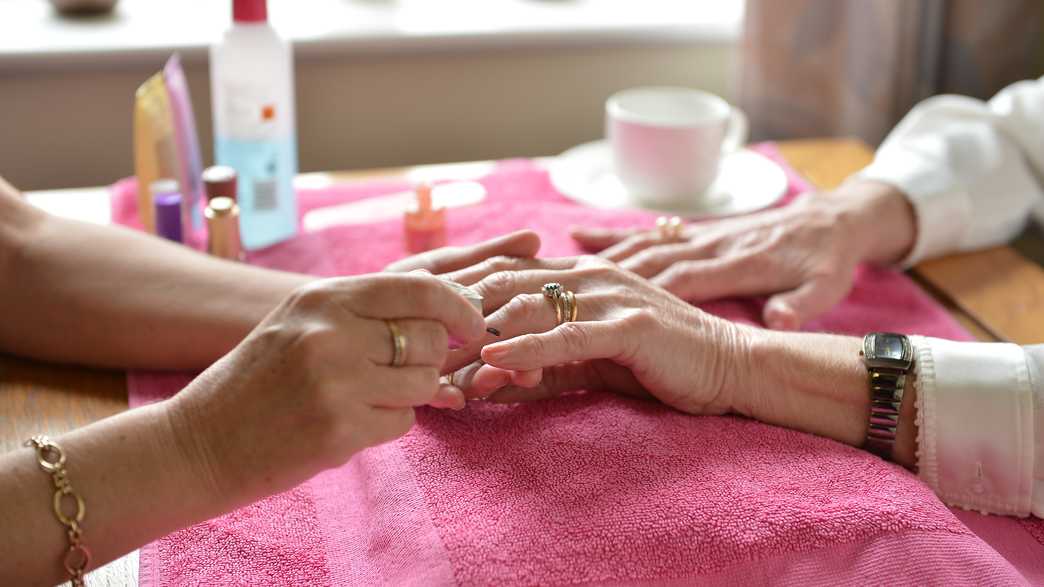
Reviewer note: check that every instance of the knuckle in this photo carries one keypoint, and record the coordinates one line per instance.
(524, 307)
(503, 263)
(574, 335)
(501, 281)
(309, 347)
(589, 261)
(640, 320)
(311, 297)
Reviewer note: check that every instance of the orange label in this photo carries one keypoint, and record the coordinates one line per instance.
(268, 112)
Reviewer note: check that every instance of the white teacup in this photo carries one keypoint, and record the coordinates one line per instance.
(667, 142)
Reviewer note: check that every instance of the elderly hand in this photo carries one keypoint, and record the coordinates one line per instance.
(522, 244)
(312, 384)
(630, 337)
(803, 255)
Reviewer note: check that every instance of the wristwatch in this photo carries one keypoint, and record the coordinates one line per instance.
(888, 358)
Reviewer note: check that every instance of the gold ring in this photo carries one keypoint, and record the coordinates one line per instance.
(573, 308)
(669, 228)
(398, 344)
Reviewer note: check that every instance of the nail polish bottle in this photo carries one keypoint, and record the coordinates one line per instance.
(424, 225)
(167, 201)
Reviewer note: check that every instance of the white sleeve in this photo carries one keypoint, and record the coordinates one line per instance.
(980, 416)
(972, 170)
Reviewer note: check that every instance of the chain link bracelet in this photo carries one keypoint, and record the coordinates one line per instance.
(51, 459)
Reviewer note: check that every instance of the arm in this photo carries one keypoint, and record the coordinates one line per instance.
(315, 371)
(969, 421)
(972, 170)
(956, 174)
(81, 293)
(969, 418)
(110, 296)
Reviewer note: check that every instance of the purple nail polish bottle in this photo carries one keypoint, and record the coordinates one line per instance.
(167, 201)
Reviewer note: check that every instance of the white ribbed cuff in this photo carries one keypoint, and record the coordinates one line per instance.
(975, 424)
(943, 213)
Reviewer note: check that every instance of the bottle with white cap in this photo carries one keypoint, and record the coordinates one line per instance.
(252, 88)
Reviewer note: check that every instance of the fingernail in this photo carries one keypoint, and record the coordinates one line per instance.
(493, 353)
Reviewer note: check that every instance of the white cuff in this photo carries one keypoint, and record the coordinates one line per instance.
(943, 214)
(975, 424)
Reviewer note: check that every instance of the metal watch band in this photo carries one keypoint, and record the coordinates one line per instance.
(886, 397)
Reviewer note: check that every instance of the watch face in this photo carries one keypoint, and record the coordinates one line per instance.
(888, 346)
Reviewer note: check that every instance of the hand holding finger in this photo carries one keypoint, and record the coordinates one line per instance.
(573, 341)
(415, 295)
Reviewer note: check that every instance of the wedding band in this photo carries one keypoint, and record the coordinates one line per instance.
(669, 228)
(564, 302)
(573, 308)
(398, 344)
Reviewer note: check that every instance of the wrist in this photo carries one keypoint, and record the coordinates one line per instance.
(191, 444)
(879, 218)
(740, 386)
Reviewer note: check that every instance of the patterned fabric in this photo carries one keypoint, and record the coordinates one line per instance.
(855, 67)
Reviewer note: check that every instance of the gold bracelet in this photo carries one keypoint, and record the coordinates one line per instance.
(52, 460)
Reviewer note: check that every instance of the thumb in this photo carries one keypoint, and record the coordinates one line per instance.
(790, 309)
(599, 239)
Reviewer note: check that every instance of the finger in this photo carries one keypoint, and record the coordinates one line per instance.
(500, 288)
(573, 341)
(474, 274)
(524, 243)
(654, 260)
(789, 310)
(523, 314)
(426, 342)
(570, 377)
(403, 387)
(448, 397)
(387, 424)
(487, 379)
(709, 279)
(596, 239)
(631, 246)
(417, 295)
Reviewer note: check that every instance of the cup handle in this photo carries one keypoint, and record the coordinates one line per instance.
(737, 133)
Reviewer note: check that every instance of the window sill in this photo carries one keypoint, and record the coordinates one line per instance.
(144, 31)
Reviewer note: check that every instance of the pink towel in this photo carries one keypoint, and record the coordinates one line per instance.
(591, 487)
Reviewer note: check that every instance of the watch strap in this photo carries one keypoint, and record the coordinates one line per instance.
(886, 398)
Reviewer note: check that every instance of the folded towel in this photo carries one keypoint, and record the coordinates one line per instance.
(590, 487)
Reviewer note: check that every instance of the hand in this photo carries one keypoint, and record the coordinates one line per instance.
(523, 244)
(630, 337)
(803, 255)
(312, 385)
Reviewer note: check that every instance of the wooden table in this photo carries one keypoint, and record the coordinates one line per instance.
(997, 294)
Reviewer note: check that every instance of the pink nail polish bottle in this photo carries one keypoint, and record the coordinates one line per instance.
(424, 225)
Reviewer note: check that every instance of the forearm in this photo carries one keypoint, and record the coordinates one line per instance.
(817, 383)
(108, 296)
(137, 484)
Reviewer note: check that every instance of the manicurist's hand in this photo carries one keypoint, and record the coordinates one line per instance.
(629, 336)
(314, 382)
(803, 255)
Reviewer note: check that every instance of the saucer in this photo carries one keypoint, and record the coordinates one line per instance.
(747, 181)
